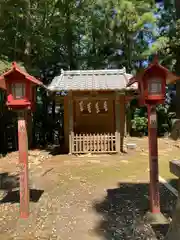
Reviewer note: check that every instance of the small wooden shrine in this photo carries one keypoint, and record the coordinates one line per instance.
(94, 109)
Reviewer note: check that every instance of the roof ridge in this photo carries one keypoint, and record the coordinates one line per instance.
(92, 72)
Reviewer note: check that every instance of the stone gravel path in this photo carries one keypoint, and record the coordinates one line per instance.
(81, 198)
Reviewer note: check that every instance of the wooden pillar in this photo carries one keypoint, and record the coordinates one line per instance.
(117, 117)
(125, 121)
(71, 133)
(122, 111)
(66, 124)
(23, 161)
(53, 116)
(127, 116)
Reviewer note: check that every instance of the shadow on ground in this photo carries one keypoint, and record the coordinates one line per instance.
(8, 184)
(14, 197)
(54, 149)
(174, 183)
(123, 212)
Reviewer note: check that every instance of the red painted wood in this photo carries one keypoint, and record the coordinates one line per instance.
(153, 159)
(23, 161)
(154, 71)
(17, 75)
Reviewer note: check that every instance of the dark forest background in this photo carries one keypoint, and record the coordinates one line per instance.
(45, 36)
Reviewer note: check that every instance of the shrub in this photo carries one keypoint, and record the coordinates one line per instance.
(139, 124)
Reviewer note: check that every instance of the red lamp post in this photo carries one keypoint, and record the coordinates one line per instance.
(152, 86)
(20, 87)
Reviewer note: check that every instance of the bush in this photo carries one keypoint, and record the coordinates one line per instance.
(140, 121)
(164, 118)
(139, 124)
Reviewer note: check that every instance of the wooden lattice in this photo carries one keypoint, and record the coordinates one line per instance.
(94, 143)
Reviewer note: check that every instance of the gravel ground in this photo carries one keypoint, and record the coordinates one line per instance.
(80, 214)
(79, 198)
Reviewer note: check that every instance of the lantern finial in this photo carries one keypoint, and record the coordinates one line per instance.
(155, 60)
(14, 64)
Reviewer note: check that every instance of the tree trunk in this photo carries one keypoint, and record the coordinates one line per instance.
(128, 52)
(177, 6)
(27, 50)
(27, 61)
(69, 38)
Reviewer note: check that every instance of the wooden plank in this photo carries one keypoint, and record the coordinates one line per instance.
(94, 143)
(117, 119)
(66, 123)
(99, 143)
(70, 107)
(122, 120)
(90, 142)
(80, 143)
(112, 143)
(108, 144)
(72, 142)
(104, 142)
(87, 96)
(77, 142)
(83, 143)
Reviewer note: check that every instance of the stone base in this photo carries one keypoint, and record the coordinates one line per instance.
(156, 219)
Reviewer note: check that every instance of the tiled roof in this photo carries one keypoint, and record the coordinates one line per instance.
(91, 80)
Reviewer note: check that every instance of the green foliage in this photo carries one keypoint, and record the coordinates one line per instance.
(4, 66)
(139, 124)
(47, 35)
(76, 34)
(140, 121)
(167, 39)
(164, 118)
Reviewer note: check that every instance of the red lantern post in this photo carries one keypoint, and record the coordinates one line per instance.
(20, 87)
(152, 85)
(153, 159)
(23, 161)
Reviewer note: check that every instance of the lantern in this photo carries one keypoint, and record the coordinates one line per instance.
(152, 83)
(20, 87)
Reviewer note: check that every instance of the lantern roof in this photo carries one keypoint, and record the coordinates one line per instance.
(16, 68)
(170, 77)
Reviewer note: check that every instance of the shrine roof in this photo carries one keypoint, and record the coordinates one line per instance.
(82, 80)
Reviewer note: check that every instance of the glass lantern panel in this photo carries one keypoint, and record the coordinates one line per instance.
(18, 90)
(155, 87)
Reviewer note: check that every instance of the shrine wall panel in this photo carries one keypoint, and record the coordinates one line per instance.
(94, 115)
